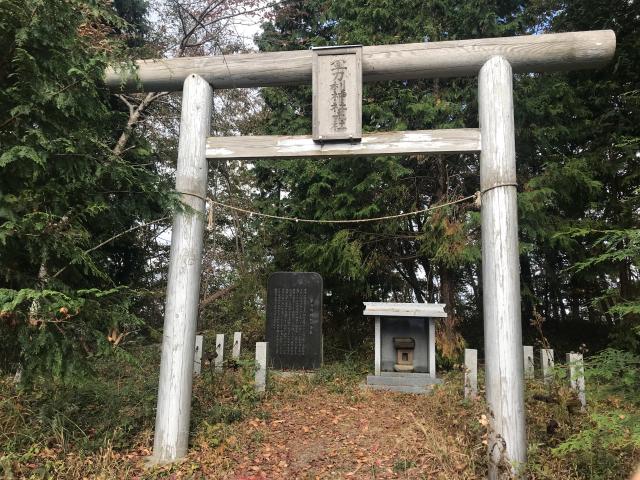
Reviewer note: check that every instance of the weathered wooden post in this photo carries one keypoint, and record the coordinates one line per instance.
(261, 366)
(432, 348)
(546, 363)
(218, 362)
(575, 363)
(183, 285)
(197, 356)
(500, 268)
(470, 373)
(237, 339)
(527, 354)
(377, 360)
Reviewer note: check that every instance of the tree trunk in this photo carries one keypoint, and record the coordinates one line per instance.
(449, 339)
(526, 283)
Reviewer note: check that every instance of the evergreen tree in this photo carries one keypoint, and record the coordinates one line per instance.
(426, 258)
(63, 193)
(578, 153)
(577, 160)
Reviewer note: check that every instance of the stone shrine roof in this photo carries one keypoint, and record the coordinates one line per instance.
(392, 309)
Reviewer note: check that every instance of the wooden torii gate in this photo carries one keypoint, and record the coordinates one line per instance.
(494, 61)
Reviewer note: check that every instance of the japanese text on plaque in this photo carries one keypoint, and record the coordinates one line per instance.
(338, 95)
(291, 315)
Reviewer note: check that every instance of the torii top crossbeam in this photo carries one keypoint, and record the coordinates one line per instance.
(528, 53)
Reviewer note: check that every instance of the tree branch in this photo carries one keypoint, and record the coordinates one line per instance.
(110, 239)
(217, 295)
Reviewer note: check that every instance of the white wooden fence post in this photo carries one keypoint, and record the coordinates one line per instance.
(377, 347)
(219, 360)
(237, 339)
(527, 354)
(575, 363)
(546, 363)
(197, 357)
(261, 366)
(470, 373)
(501, 269)
(173, 411)
(432, 348)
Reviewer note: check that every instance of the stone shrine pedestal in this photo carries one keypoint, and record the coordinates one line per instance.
(405, 346)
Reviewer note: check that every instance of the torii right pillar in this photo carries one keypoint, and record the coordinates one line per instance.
(504, 373)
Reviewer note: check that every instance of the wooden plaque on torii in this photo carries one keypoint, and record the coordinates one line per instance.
(337, 93)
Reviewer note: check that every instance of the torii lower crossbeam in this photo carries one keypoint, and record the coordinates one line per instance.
(454, 140)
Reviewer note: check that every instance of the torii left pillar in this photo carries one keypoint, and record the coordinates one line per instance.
(183, 285)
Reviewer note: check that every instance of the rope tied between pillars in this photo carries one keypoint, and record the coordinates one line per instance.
(476, 197)
(354, 220)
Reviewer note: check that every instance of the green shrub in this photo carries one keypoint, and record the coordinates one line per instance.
(605, 442)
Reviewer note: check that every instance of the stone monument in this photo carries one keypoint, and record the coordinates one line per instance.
(294, 320)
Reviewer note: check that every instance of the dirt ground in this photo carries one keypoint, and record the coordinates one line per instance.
(312, 431)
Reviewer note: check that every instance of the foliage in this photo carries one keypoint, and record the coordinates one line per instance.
(577, 151)
(597, 449)
(611, 430)
(65, 329)
(63, 191)
(342, 377)
(577, 166)
(100, 423)
(133, 12)
(114, 407)
(235, 397)
(103, 425)
(620, 248)
(614, 373)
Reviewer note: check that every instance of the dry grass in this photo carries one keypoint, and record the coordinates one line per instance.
(305, 427)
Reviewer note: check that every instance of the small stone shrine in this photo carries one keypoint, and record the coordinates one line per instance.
(405, 345)
(294, 320)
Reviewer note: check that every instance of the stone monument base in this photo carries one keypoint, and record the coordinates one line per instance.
(292, 373)
(404, 382)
